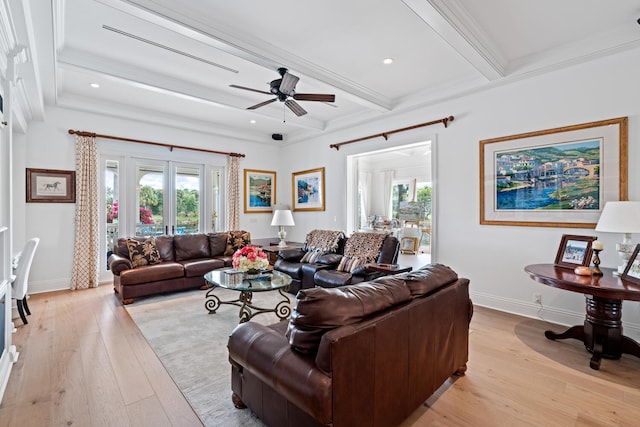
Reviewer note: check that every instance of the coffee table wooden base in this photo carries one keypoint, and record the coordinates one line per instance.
(601, 332)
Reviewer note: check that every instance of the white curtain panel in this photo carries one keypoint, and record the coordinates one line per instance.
(87, 236)
(387, 189)
(233, 194)
(364, 182)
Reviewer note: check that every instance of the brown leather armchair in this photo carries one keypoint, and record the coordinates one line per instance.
(331, 278)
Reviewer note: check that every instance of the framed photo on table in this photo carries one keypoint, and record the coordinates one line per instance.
(259, 191)
(51, 186)
(574, 251)
(632, 270)
(558, 177)
(308, 190)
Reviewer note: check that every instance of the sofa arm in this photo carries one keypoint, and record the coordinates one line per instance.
(118, 264)
(330, 259)
(266, 353)
(292, 255)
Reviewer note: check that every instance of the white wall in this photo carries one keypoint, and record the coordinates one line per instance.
(48, 145)
(493, 257)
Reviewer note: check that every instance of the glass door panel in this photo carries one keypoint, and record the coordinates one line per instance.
(112, 202)
(187, 184)
(150, 207)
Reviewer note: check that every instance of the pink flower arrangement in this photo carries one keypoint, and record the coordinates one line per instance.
(146, 217)
(250, 258)
(112, 211)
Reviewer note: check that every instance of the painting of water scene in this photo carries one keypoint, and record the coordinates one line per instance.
(564, 176)
(259, 190)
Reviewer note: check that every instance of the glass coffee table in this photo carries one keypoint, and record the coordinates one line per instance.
(265, 282)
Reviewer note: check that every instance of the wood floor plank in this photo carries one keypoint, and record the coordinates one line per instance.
(70, 371)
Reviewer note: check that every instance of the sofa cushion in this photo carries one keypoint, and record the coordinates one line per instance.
(191, 246)
(312, 256)
(200, 267)
(293, 269)
(428, 278)
(319, 310)
(349, 263)
(165, 247)
(143, 253)
(237, 240)
(218, 243)
(152, 273)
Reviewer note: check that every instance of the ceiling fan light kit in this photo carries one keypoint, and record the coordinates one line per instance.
(284, 90)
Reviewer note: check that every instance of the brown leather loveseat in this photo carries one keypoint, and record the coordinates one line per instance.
(359, 355)
(144, 266)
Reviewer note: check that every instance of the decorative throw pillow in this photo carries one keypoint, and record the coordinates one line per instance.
(312, 256)
(143, 253)
(237, 240)
(349, 263)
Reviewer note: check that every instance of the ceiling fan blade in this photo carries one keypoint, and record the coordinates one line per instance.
(288, 83)
(295, 107)
(322, 97)
(262, 104)
(252, 90)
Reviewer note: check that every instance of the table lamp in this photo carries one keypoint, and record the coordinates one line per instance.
(621, 217)
(282, 218)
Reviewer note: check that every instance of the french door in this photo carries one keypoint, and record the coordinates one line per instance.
(150, 197)
(167, 198)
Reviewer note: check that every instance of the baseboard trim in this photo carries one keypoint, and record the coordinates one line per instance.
(56, 285)
(547, 313)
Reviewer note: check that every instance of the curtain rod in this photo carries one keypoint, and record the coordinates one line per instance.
(169, 146)
(385, 135)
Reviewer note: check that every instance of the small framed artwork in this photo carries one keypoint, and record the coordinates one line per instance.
(409, 245)
(632, 270)
(308, 190)
(51, 186)
(259, 191)
(574, 251)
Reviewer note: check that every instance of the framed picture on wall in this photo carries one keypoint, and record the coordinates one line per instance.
(558, 177)
(259, 191)
(574, 251)
(51, 186)
(308, 190)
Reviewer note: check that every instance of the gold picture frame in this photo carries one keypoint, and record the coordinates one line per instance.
(51, 186)
(259, 191)
(307, 188)
(559, 177)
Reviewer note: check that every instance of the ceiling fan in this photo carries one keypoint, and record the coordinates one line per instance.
(284, 90)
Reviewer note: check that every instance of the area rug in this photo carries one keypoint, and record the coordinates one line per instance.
(192, 346)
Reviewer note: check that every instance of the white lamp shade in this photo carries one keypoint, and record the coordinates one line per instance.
(620, 217)
(282, 217)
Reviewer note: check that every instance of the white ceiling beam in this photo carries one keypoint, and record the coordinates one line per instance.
(248, 47)
(458, 30)
(133, 77)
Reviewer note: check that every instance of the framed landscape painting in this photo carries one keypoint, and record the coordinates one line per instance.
(632, 269)
(308, 190)
(558, 177)
(51, 186)
(259, 191)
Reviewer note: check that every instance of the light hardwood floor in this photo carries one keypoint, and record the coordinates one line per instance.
(83, 362)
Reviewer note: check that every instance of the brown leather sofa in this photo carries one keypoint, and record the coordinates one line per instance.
(359, 355)
(322, 271)
(183, 261)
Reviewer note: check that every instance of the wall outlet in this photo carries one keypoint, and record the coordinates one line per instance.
(537, 298)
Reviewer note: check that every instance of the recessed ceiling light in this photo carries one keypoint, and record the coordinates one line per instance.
(387, 61)
(95, 85)
(252, 121)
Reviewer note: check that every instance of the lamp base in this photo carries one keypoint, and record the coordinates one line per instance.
(282, 235)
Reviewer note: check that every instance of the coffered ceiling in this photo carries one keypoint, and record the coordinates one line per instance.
(173, 62)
